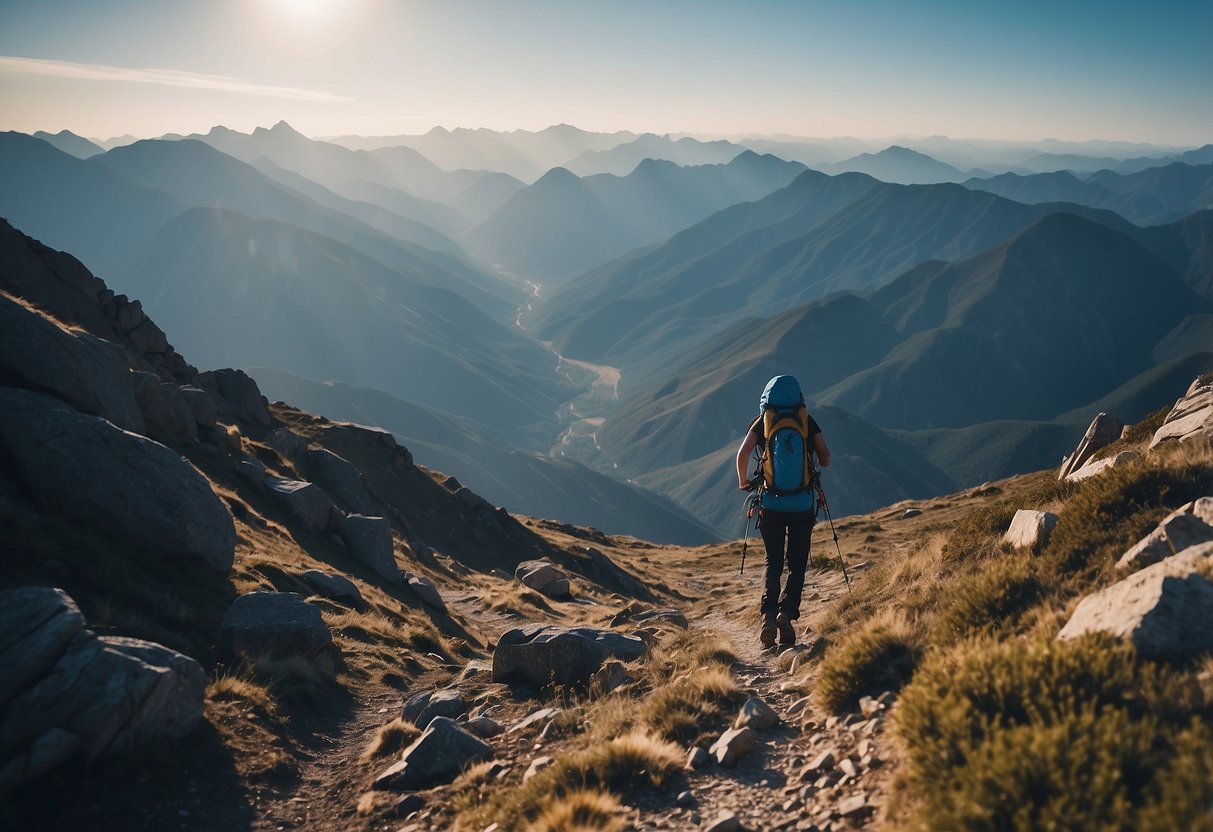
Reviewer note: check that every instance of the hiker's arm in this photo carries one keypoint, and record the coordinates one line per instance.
(743, 458)
(823, 453)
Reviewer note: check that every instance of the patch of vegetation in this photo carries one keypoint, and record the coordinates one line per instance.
(979, 533)
(1049, 735)
(581, 810)
(391, 739)
(991, 601)
(880, 656)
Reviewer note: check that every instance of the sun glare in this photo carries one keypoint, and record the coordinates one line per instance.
(307, 7)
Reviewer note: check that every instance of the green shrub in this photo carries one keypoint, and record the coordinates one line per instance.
(1109, 513)
(878, 657)
(1040, 735)
(1183, 796)
(991, 601)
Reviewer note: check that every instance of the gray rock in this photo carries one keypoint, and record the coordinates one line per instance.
(733, 744)
(724, 822)
(407, 804)
(483, 727)
(820, 764)
(545, 715)
(544, 654)
(166, 414)
(438, 756)
(1103, 431)
(67, 691)
(86, 372)
(544, 577)
(341, 479)
(253, 470)
(371, 540)
(606, 571)
(307, 501)
(756, 714)
(1192, 415)
(424, 589)
(149, 338)
(686, 799)
(337, 587)
(1092, 469)
(537, 765)
(202, 405)
(422, 708)
(288, 443)
(911, 512)
(697, 758)
(1163, 609)
(276, 624)
(854, 806)
(675, 617)
(1178, 531)
(85, 469)
(1030, 529)
(240, 391)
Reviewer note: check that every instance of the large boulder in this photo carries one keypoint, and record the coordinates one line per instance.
(1187, 526)
(68, 692)
(1192, 415)
(202, 405)
(342, 480)
(544, 654)
(167, 415)
(337, 587)
(425, 590)
(544, 577)
(438, 756)
(274, 624)
(88, 373)
(371, 540)
(1103, 431)
(1099, 466)
(1164, 609)
(82, 467)
(307, 501)
(1030, 529)
(241, 392)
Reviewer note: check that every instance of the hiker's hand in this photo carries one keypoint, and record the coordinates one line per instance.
(749, 485)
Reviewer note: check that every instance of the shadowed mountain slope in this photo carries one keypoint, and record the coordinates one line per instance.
(562, 225)
(483, 459)
(237, 291)
(899, 165)
(70, 143)
(636, 316)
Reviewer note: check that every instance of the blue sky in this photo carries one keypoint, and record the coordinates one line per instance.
(1028, 70)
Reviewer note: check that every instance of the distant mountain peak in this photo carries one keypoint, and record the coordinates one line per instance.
(557, 176)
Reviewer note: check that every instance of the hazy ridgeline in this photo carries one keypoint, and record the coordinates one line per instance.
(956, 310)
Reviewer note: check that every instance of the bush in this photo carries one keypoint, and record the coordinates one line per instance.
(1040, 735)
(991, 601)
(581, 810)
(391, 739)
(1109, 513)
(878, 657)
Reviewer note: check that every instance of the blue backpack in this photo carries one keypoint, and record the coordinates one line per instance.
(787, 468)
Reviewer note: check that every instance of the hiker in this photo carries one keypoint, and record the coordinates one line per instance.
(787, 510)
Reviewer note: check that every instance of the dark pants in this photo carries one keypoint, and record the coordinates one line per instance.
(786, 536)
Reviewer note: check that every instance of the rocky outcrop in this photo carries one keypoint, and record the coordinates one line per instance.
(342, 480)
(275, 624)
(336, 587)
(605, 571)
(439, 755)
(307, 501)
(82, 467)
(1030, 529)
(371, 540)
(240, 392)
(1187, 526)
(1103, 431)
(67, 692)
(425, 590)
(167, 416)
(544, 577)
(1164, 609)
(1099, 466)
(1191, 417)
(202, 405)
(544, 654)
(87, 373)
(423, 707)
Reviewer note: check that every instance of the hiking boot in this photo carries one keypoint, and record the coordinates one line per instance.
(787, 634)
(767, 634)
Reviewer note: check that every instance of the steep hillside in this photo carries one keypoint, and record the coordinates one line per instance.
(628, 315)
(481, 457)
(242, 291)
(562, 226)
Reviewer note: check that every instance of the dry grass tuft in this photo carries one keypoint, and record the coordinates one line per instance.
(581, 810)
(879, 656)
(390, 740)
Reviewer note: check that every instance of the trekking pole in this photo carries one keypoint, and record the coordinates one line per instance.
(821, 500)
(753, 502)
